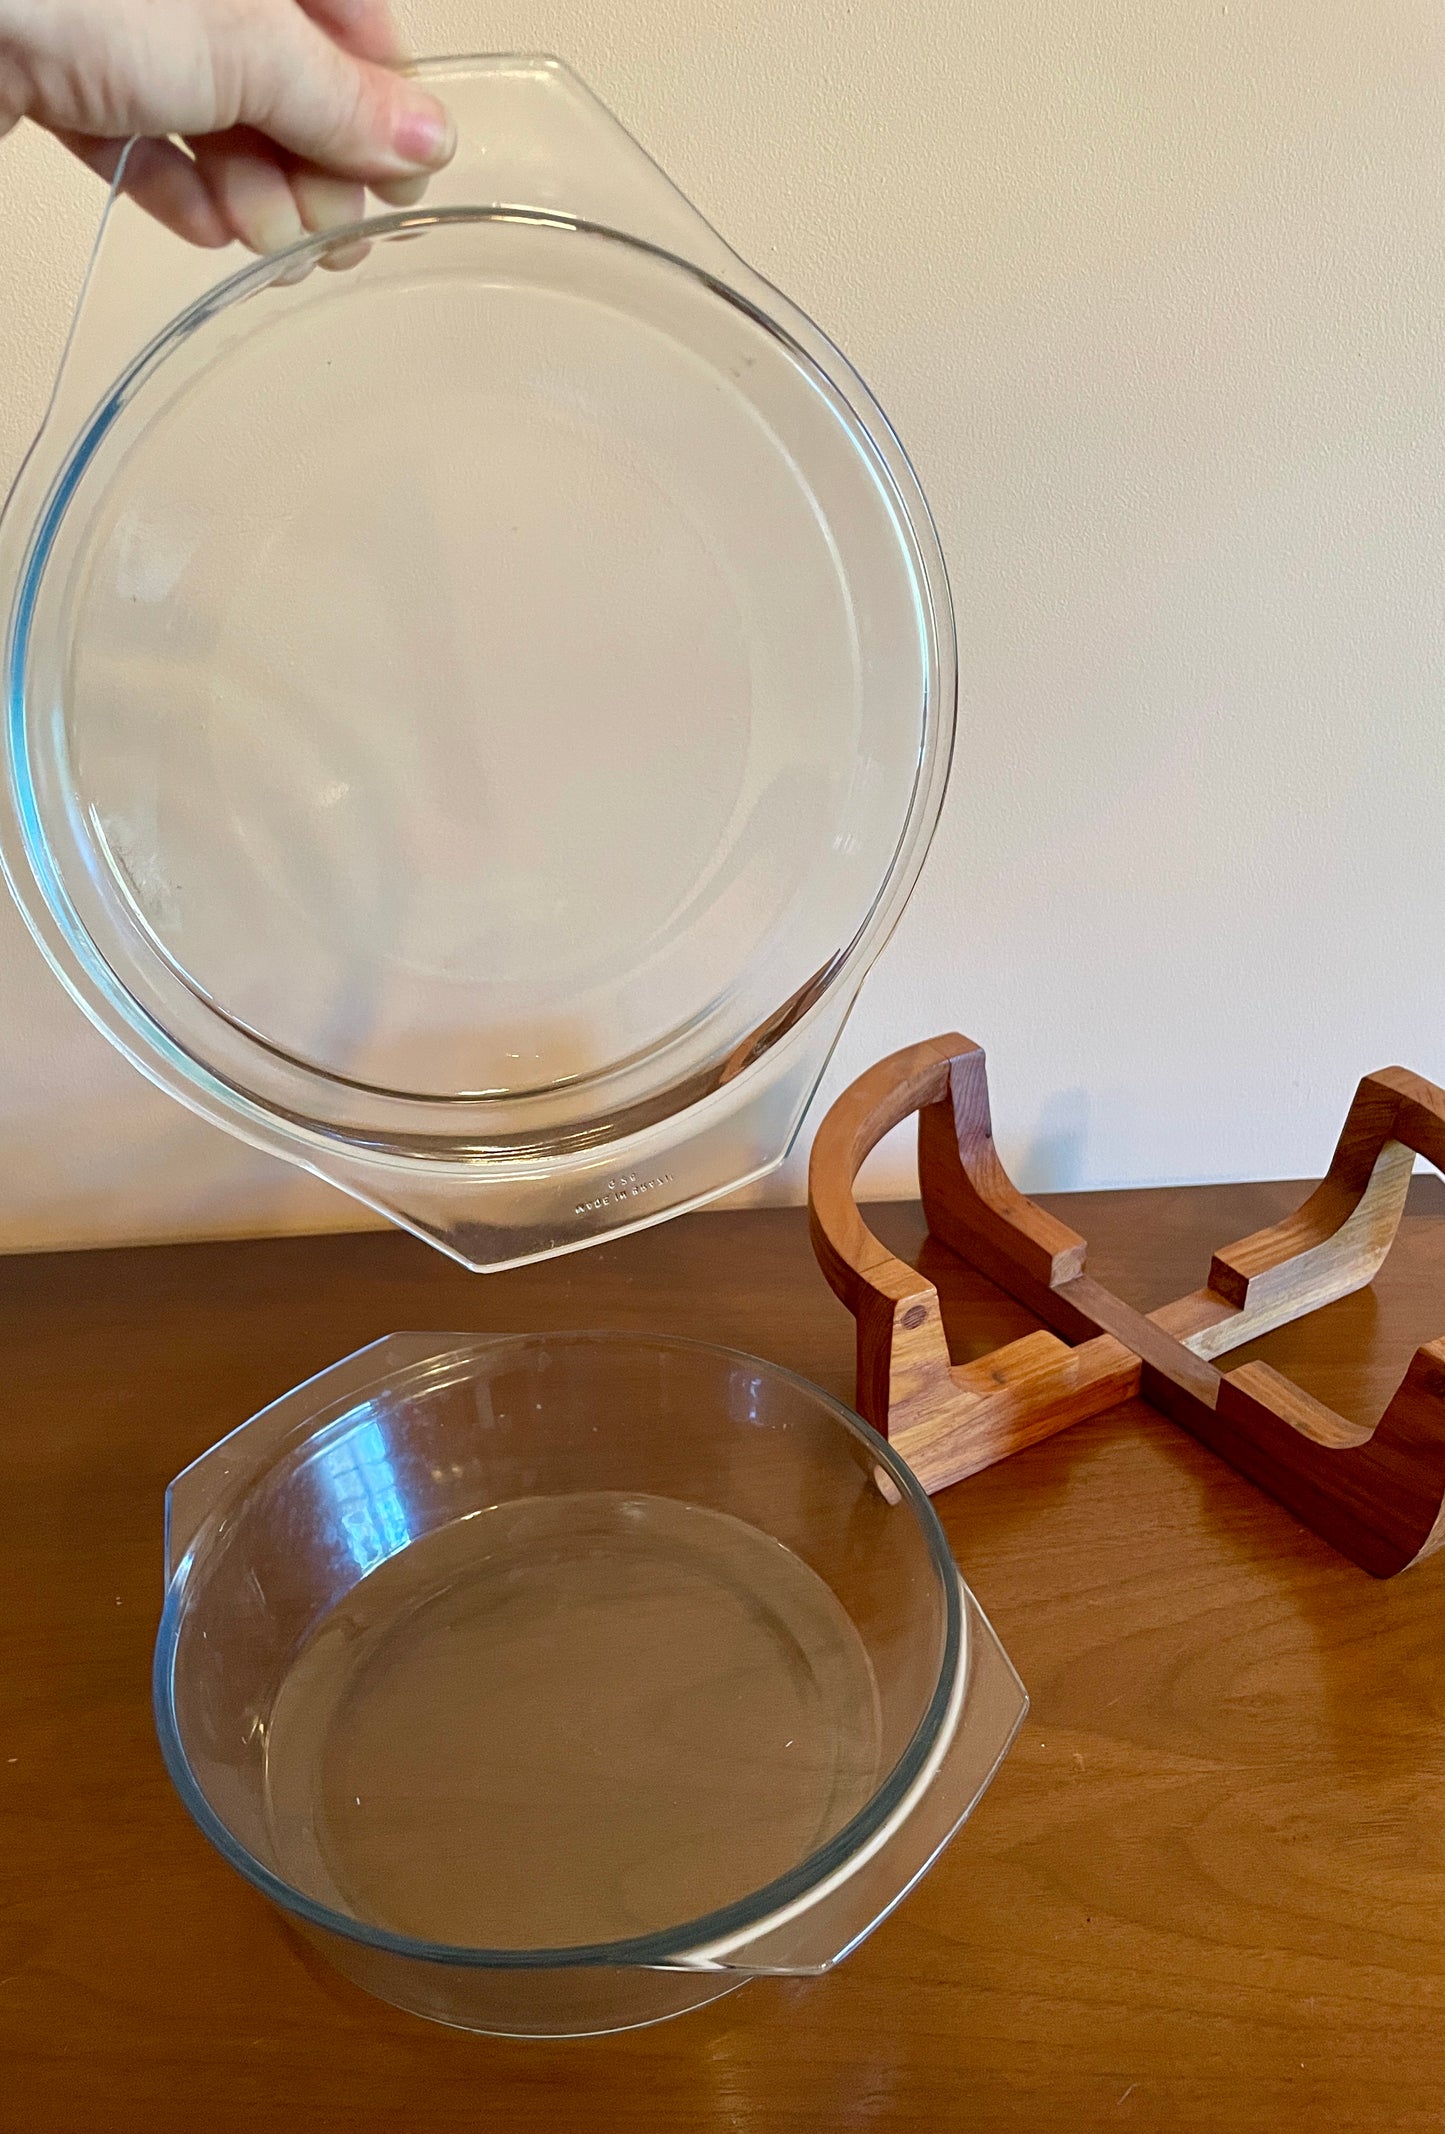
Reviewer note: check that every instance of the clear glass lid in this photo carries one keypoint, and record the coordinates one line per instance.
(473, 718)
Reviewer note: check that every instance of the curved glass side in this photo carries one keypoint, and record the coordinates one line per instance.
(991, 1707)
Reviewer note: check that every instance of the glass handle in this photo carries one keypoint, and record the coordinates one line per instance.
(819, 1931)
(237, 1458)
(529, 135)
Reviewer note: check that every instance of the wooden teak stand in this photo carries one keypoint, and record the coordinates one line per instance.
(1377, 1495)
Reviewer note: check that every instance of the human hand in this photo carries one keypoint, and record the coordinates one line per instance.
(286, 110)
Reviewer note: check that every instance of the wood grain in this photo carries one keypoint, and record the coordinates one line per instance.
(1016, 1396)
(1378, 1496)
(1332, 1244)
(949, 1422)
(1206, 1891)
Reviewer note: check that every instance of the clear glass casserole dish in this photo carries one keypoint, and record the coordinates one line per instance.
(555, 1684)
(473, 720)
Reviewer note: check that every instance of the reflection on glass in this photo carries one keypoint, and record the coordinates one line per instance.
(358, 1475)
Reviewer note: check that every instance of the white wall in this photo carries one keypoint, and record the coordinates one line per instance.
(1155, 292)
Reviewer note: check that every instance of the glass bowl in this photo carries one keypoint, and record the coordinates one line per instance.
(473, 719)
(559, 1683)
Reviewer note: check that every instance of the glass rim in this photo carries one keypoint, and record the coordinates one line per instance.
(399, 1127)
(669, 1947)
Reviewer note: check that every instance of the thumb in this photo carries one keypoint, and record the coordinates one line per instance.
(347, 115)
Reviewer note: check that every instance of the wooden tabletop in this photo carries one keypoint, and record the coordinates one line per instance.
(1207, 1890)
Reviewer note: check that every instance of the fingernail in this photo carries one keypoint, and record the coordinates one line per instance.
(326, 203)
(425, 135)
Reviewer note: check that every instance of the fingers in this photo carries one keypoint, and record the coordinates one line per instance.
(328, 203)
(268, 202)
(322, 113)
(341, 257)
(400, 192)
(324, 202)
(251, 192)
(235, 186)
(349, 115)
(163, 180)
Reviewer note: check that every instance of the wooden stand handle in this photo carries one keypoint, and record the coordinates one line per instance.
(948, 1422)
(1379, 1495)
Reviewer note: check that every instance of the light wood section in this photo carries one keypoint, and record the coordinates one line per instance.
(1332, 1245)
(1336, 1242)
(1015, 1397)
(1377, 1495)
